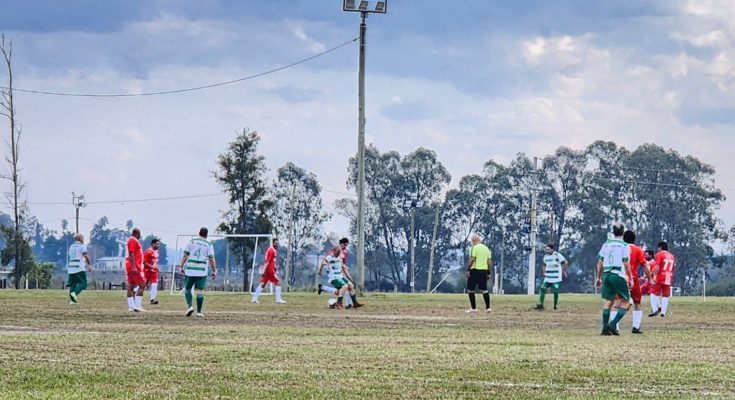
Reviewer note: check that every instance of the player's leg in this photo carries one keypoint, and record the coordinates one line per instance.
(471, 286)
(614, 310)
(153, 281)
(665, 295)
(326, 288)
(139, 293)
(620, 287)
(341, 290)
(635, 296)
(279, 293)
(72, 283)
(482, 286)
(542, 295)
(607, 293)
(555, 289)
(188, 285)
(352, 298)
(131, 292)
(655, 302)
(200, 284)
(263, 281)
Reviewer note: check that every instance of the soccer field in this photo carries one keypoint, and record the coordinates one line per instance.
(400, 346)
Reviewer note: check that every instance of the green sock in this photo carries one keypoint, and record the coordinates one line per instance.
(621, 314)
(542, 296)
(605, 317)
(71, 290)
(79, 289)
(556, 298)
(200, 302)
(187, 295)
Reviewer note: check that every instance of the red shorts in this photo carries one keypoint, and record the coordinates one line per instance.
(270, 276)
(151, 276)
(636, 294)
(136, 279)
(659, 289)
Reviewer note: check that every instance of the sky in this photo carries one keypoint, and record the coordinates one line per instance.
(472, 80)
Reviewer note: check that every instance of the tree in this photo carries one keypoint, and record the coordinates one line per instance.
(106, 241)
(7, 109)
(241, 175)
(17, 252)
(298, 213)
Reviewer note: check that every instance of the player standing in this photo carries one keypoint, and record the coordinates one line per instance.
(198, 258)
(77, 265)
(612, 276)
(637, 260)
(336, 273)
(664, 278)
(134, 269)
(555, 266)
(269, 274)
(478, 272)
(150, 264)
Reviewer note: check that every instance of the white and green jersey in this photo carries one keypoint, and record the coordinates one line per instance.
(75, 261)
(553, 267)
(199, 251)
(614, 253)
(334, 267)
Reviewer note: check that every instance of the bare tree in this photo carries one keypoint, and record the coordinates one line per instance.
(7, 109)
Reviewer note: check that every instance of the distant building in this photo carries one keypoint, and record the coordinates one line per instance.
(110, 264)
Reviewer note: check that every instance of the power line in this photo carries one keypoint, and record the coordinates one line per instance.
(194, 196)
(191, 89)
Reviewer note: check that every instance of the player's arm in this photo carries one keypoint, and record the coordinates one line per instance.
(470, 264)
(183, 261)
(321, 266)
(599, 273)
(346, 273)
(564, 267)
(147, 260)
(626, 271)
(213, 266)
(85, 256)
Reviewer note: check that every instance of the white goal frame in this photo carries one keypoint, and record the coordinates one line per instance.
(257, 237)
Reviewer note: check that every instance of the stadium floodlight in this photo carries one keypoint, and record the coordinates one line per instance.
(349, 5)
(379, 7)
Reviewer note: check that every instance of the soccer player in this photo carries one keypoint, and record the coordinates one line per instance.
(336, 273)
(663, 279)
(77, 265)
(343, 243)
(637, 260)
(478, 268)
(150, 264)
(136, 275)
(198, 258)
(555, 266)
(269, 274)
(612, 276)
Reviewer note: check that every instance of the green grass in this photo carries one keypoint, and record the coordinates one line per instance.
(400, 346)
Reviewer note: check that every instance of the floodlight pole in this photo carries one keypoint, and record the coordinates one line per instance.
(532, 256)
(361, 159)
(77, 202)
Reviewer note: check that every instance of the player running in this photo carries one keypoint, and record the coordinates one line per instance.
(612, 276)
(555, 266)
(150, 266)
(637, 260)
(77, 265)
(478, 272)
(336, 271)
(134, 269)
(663, 279)
(269, 274)
(198, 258)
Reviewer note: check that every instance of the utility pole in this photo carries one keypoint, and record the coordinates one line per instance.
(289, 259)
(78, 202)
(412, 244)
(532, 256)
(433, 246)
(502, 264)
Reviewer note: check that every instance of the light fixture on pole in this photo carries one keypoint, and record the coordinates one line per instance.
(78, 202)
(363, 8)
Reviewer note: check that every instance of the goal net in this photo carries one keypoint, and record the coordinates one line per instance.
(238, 256)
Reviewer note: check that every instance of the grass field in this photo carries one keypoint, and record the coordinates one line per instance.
(400, 346)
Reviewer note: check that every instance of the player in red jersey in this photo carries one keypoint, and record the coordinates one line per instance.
(150, 266)
(663, 279)
(269, 275)
(134, 269)
(637, 260)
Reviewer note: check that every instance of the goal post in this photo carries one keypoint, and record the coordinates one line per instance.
(260, 243)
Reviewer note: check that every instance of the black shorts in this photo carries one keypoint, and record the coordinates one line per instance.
(477, 279)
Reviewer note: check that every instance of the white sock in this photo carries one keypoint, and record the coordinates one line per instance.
(154, 290)
(348, 299)
(257, 292)
(329, 289)
(654, 303)
(131, 302)
(637, 318)
(278, 293)
(138, 301)
(664, 305)
(614, 313)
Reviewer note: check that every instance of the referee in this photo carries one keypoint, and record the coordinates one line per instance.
(478, 269)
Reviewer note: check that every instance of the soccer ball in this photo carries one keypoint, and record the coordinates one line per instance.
(332, 302)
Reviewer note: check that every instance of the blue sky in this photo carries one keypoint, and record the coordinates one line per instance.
(471, 80)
